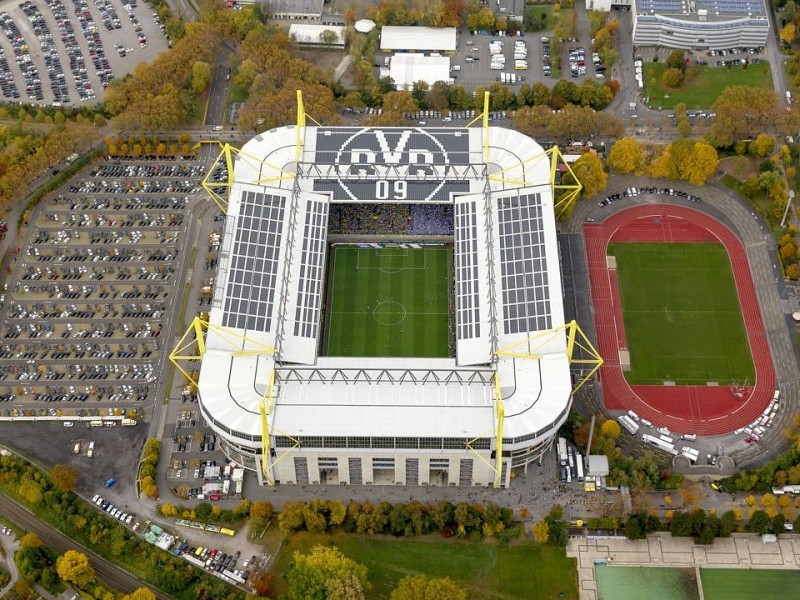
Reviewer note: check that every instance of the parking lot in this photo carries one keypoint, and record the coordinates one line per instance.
(473, 60)
(66, 52)
(91, 288)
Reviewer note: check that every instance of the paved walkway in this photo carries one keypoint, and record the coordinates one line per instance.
(741, 551)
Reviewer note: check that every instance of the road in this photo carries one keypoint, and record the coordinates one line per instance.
(111, 574)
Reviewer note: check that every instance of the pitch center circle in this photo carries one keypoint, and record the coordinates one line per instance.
(681, 311)
(389, 312)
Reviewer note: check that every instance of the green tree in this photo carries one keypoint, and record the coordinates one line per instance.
(763, 145)
(633, 528)
(742, 111)
(30, 491)
(73, 567)
(325, 571)
(420, 587)
(140, 594)
(759, 522)
(727, 524)
(292, 516)
(328, 37)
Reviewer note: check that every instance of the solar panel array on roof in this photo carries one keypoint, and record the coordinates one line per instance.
(309, 289)
(526, 295)
(732, 7)
(254, 262)
(661, 6)
(468, 323)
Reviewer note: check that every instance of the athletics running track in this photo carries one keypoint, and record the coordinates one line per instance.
(699, 409)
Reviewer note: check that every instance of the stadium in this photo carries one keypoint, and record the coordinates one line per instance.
(388, 307)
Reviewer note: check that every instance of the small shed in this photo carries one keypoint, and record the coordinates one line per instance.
(598, 465)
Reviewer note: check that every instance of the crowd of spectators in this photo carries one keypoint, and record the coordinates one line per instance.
(431, 219)
(399, 219)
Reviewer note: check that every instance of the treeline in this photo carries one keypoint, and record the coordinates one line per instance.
(149, 468)
(784, 470)
(27, 153)
(144, 145)
(687, 160)
(463, 520)
(205, 511)
(95, 530)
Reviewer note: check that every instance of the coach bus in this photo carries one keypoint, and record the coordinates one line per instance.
(629, 424)
(660, 444)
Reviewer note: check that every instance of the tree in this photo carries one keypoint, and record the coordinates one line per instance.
(73, 567)
(777, 523)
(30, 491)
(260, 514)
(689, 160)
(292, 516)
(201, 76)
(788, 33)
(30, 540)
(742, 111)
(633, 528)
(672, 78)
(140, 594)
(763, 145)
(611, 429)
(420, 587)
(589, 171)
(262, 580)
(759, 522)
(328, 37)
(325, 572)
(541, 531)
(628, 156)
(64, 477)
(690, 492)
(727, 524)
(677, 60)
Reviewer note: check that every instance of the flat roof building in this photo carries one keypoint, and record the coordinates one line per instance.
(406, 69)
(312, 34)
(700, 24)
(418, 39)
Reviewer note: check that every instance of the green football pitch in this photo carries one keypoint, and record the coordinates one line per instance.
(389, 301)
(683, 321)
(742, 584)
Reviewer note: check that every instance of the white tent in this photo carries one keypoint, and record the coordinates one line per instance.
(437, 39)
(407, 69)
(364, 25)
(311, 34)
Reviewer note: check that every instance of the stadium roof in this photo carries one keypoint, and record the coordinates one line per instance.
(441, 39)
(711, 10)
(406, 69)
(310, 33)
(270, 282)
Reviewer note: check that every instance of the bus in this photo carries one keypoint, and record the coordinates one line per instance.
(580, 468)
(660, 444)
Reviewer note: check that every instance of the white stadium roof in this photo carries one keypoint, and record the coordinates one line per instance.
(406, 69)
(441, 39)
(270, 288)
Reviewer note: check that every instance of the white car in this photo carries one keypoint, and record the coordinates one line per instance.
(129, 519)
(68, 423)
(96, 496)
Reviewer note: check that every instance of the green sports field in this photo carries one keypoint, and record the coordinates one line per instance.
(389, 301)
(683, 321)
(741, 584)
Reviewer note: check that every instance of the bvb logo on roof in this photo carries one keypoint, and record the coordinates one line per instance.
(391, 155)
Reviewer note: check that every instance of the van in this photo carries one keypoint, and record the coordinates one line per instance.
(77, 448)
(455, 68)
(217, 127)
(689, 437)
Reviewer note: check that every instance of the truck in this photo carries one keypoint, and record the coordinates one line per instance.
(629, 424)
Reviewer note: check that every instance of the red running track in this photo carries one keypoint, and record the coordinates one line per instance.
(698, 409)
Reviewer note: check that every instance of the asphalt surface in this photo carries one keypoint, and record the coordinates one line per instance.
(113, 575)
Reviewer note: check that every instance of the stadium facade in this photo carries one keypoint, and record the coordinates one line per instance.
(295, 415)
(700, 24)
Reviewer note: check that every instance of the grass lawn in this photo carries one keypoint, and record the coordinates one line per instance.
(389, 301)
(741, 584)
(702, 91)
(683, 321)
(487, 571)
(533, 14)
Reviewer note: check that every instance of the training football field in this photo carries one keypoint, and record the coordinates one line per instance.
(745, 584)
(389, 301)
(683, 321)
